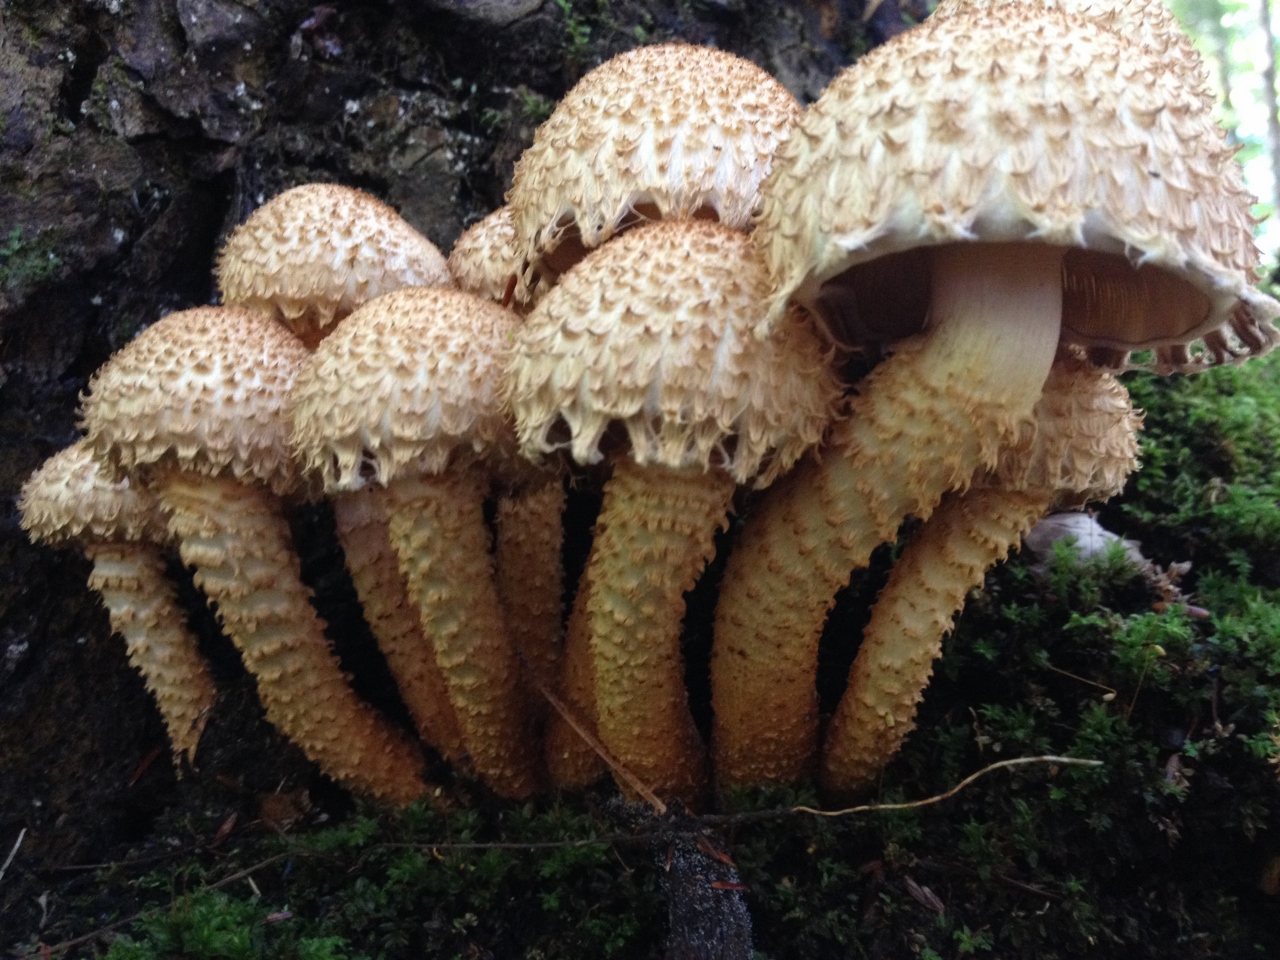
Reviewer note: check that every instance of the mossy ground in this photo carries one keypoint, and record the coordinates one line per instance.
(1169, 849)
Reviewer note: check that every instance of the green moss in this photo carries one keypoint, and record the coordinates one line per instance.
(27, 263)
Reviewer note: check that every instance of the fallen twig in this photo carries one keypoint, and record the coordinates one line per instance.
(14, 852)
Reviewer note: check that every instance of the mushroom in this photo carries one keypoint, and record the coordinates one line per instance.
(119, 527)
(667, 132)
(314, 253)
(405, 394)
(529, 531)
(1083, 447)
(309, 257)
(973, 194)
(195, 407)
(652, 337)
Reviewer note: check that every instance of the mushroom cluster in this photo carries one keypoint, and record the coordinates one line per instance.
(1005, 203)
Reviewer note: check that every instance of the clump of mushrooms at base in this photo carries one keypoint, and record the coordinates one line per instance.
(1005, 203)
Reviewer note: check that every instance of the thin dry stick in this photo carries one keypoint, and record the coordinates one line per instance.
(14, 852)
(634, 782)
(1016, 762)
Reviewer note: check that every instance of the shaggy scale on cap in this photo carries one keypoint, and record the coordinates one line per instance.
(70, 497)
(485, 259)
(1149, 23)
(656, 331)
(314, 253)
(1056, 133)
(407, 383)
(664, 132)
(203, 390)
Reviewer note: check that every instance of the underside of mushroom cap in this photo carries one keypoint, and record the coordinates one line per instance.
(202, 390)
(407, 384)
(655, 330)
(1083, 441)
(70, 497)
(661, 132)
(969, 130)
(314, 253)
(485, 259)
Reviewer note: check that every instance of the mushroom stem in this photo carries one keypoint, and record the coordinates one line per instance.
(438, 529)
(654, 535)
(950, 554)
(529, 576)
(236, 538)
(923, 423)
(361, 520)
(140, 600)
(571, 762)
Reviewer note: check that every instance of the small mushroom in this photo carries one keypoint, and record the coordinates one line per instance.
(651, 338)
(405, 395)
(314, 253)
(118, 525)
(1083, 447)
(971, 194)
(195, 407)
(667, 132)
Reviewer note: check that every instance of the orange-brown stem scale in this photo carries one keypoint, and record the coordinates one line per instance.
(141, 602)
(949, 556)
(236, 538)
(571, 762)
(361, 520)
(438, 529)
(530, 576)
(923, 423)
(655, 534)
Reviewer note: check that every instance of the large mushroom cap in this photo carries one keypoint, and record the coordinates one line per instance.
(656, 330)
(968, 129)
(666, 131)
(485, 259)
(202, 390)
(316, 252)
(70, 497)
(408, 382)
(1150, 23)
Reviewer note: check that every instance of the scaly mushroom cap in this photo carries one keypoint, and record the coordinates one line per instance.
(1149, 23)
(966, 129)
(1084, 442)
(70, 497)
(406, 384)
(664, 132)
(485, 259)
(656, 330)
(314, 253)
(203, 390)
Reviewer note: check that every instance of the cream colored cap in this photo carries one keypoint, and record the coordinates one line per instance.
(1148, 23)
(202, 390)
(407, 384)
(656, 330)
(1084, 441)
(661, 132)
(314, 253)
(1020, 123)
(70, 497)
(485, 260)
